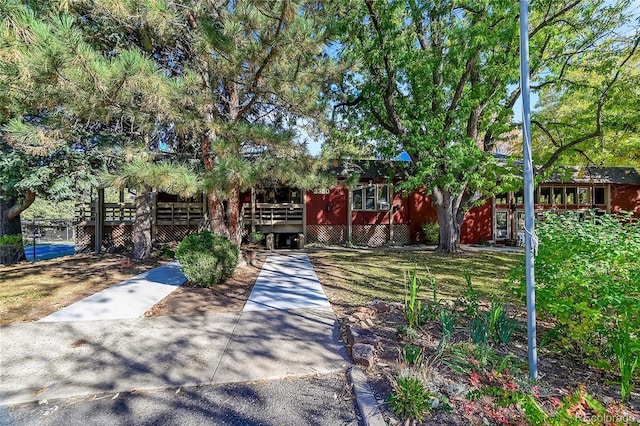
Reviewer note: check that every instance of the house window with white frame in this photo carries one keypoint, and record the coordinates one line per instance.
(371, 197)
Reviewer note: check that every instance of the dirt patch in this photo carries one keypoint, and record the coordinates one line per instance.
(190, 299)
(32, 290)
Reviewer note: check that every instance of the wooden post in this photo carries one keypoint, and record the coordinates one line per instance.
(99, 222)
(349, 218)
(253, 210)
(205, 212)
(493, 219)
(304, 214)
(154, 215)
(390, 199)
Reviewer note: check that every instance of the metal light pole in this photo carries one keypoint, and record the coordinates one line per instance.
(530, 239)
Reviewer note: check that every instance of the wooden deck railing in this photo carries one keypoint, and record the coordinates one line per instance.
(179, 213)
(274, 214)
(85, 212)
(165, 214)
(119, 213)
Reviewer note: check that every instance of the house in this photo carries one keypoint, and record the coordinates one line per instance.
(369, 210)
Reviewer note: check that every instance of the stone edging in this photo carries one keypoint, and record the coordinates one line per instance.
(365, 399)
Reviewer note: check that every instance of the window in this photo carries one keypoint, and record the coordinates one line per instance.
(357, 199)
(545, 195)
(502, 228)
(583, 195)
(519, 197)
(598, 196)
(502, 198)
(558, 195)
(371, 197)
(570, 192)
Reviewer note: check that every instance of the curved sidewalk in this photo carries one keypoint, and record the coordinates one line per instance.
(129, 299)
(287, 329)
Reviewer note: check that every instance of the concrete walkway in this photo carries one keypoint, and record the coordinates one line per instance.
(129, 299)
(285, 283)
(297, 335)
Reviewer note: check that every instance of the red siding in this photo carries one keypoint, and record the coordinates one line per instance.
(477, 225)
(420, 211)
(401, 208)
(330, 209)
(625, 197)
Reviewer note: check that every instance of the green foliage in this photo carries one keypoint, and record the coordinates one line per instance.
(438, 82)
(587, 275)
(167, 252)
(505, 327)
(11, 248)
(431, 232)
(256, 237)
(45, 209)
(447, 321)
(479, 330)
(570, 410)
(627, 352)
(411, 354)
(207, 259)
(470, 297)
(410, 399)
(412, 303)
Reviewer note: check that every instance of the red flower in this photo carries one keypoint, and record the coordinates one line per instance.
(474, 379)
(508, 386)
(555, 402)
(536, 391)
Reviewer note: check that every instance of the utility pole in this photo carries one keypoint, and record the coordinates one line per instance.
(530, 239)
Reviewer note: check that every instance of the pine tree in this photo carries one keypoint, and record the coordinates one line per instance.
(251, 70)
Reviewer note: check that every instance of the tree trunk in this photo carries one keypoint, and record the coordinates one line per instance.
(10, 224)
(217, 213)
(233, 215)
(225, 216)
(450, 215)
(142, 225)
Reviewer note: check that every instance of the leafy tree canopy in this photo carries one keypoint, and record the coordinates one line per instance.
(438, 80)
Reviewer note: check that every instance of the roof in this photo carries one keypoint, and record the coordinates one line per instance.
(369, 169)
(618, 175)
(389, 169)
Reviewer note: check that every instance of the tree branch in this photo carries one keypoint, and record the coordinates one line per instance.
(392, 115)
(549, 19)
(18, 208)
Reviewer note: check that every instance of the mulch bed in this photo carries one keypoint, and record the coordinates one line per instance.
(190, 299)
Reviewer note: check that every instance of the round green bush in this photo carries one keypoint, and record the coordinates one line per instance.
(207, 259)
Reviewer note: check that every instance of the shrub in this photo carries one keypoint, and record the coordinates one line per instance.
(11, 248)
(256, 237)
(167, 252)
(207, 259)
(409, 398)
(587, 275)
(431, 231)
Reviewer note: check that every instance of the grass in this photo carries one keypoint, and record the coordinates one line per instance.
(32, 290)
(354, 278)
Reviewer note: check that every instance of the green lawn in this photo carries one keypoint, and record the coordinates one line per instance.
(354, 278)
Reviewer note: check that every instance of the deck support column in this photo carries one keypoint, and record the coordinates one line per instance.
(349, 216)
(253, 210)
(99, 222)
(304, 213)
(390, 198)
(154, 215)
